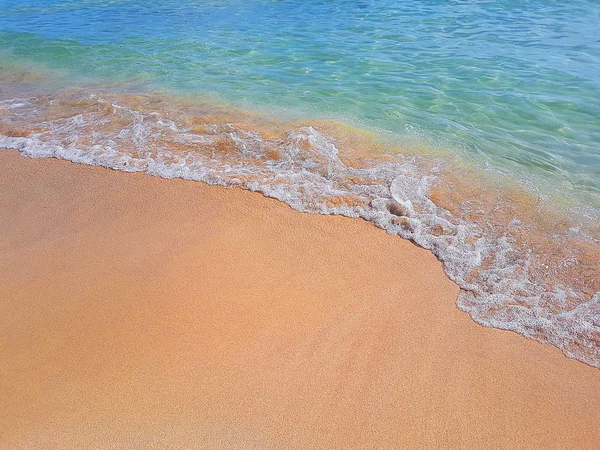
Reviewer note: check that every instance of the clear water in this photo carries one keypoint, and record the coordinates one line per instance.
(515, 84)
(508, 91)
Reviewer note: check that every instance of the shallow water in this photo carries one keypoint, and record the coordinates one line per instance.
(512, 84)
(470, 129)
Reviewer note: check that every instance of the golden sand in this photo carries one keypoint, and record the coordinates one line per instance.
(138, 312)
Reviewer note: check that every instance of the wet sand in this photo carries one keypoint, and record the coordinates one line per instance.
(138, 312)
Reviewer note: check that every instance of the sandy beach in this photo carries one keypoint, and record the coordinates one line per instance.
(139, 312)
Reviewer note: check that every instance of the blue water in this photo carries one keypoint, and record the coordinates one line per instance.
(511, 85)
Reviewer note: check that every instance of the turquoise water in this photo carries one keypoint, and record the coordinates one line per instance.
(482, 119)
(514, 85)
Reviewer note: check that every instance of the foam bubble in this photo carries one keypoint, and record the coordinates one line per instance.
(491, 250)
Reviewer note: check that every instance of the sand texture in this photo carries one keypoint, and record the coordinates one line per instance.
(138, 312)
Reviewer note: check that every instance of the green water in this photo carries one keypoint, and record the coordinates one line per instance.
(512, 86)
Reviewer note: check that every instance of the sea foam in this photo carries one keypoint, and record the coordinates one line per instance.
(507, 269)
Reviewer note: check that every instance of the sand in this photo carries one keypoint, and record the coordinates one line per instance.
(138, 312)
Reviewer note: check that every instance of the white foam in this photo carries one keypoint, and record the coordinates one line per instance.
(498, 288)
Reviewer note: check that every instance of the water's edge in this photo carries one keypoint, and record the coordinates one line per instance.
(513, 274)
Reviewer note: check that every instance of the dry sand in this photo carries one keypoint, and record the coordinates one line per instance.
(137, 312)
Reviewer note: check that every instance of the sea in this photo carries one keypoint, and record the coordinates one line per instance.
(470, 127)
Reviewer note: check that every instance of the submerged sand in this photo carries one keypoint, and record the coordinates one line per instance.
(138, 312)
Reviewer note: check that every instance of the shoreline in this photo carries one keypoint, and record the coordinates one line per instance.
(139, 311)
(483, 230)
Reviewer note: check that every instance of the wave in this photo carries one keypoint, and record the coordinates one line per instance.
(521, 265)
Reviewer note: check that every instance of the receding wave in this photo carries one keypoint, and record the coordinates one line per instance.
(521, 265)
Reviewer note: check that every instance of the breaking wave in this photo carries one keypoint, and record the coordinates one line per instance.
(521, 266)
